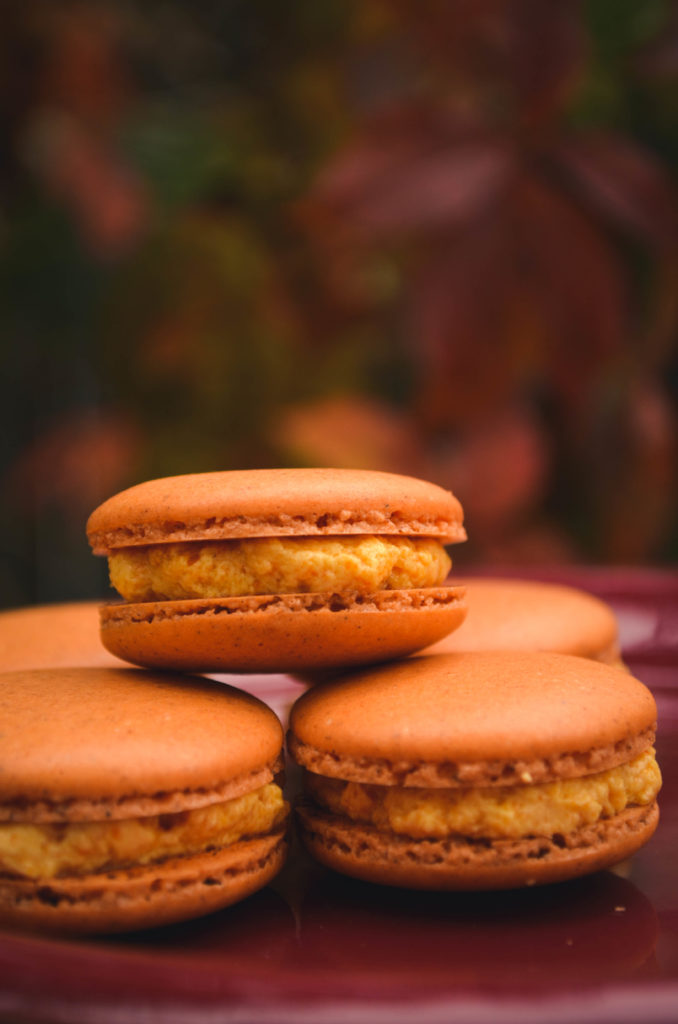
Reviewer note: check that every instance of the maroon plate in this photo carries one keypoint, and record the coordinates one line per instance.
(317, 947)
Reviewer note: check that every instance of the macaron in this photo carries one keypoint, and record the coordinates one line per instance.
(476, 771)
(67, 635)
(131, 799)
(277, 569)
(525, 615)
(53, 636)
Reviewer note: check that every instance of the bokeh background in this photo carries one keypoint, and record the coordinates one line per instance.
(438, 238)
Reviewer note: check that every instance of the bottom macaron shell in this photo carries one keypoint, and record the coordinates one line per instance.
(144, 897)
(281, 633)
(458, 864)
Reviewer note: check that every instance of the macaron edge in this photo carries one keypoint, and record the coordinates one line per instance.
(141, 897)
(281, 632)
(462, 864)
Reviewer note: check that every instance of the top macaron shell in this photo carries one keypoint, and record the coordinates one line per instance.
(469, 719)
(507, 614)
(134, 742)
(274, 502)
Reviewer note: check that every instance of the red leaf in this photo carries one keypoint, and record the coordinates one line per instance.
(544, 53)
(107, 198)
(527, 54)
(76, 462)
(641, 475)
(625, 183)
(436, 190)
(385, 141)
(537, 292)
(408, 172)
(459, 325)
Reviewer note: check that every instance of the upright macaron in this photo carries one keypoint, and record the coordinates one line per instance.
(527, 615)
(131, 798)
(277, 570)
(477, 771)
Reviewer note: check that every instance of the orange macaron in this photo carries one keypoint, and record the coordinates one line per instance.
(476, 771)
(130, 799)
(53, 636)
(525, 615)
(277, 570)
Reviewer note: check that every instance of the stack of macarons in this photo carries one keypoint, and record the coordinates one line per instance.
(131, 798)
(502, 756)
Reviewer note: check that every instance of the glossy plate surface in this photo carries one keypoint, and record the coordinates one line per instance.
(316, 947)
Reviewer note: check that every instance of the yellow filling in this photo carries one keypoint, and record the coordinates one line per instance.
(48, 851)
(506, 812)
(277, 565)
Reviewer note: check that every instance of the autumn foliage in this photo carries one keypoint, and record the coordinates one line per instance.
(438, 238)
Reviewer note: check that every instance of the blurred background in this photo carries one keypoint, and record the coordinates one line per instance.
(436, 238)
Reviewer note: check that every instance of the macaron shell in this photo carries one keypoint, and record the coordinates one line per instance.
(522, 615)
(53, 636)
(274, 502)
(455, 864)
(473, 719)
(129, 741)
(144, 897)
(281, 633)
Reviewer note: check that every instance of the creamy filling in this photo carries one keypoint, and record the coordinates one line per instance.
(502, 812)
(277, 565)
(80, 848)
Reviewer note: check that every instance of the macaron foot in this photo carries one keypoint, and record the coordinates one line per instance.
(458, 863)
(280, 633)
(143, 897)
